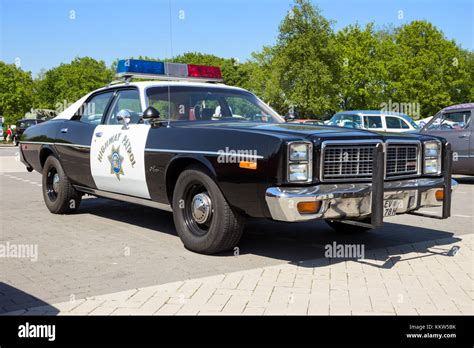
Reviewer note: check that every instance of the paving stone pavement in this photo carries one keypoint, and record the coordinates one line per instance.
(434, 277)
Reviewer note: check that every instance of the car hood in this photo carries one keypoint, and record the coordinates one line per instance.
(295, 130)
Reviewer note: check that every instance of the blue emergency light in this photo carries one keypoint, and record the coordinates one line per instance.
(146, 69)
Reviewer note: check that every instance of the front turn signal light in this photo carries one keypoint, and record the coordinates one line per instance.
(439, 195)
(309, 207)
(248, 165)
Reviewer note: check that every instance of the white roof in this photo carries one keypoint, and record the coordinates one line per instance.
(68, 113)
(146, 84)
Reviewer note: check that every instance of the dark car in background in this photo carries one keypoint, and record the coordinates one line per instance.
(454, 124)
(22, 125)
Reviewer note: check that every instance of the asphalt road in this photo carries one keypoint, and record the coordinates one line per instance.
(110, 246)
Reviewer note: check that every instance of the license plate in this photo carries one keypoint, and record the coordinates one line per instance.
(390, 206)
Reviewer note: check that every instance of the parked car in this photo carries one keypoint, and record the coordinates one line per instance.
(21, 126)
(307, 121)
(373, 120)
(454, 124)
(176, 145)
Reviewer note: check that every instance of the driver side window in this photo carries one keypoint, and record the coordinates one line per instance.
(93, 110)
(452, 121)
(129, 100)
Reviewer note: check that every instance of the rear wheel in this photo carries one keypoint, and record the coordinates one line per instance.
(204, 220)
(341, 227)
(59, 195)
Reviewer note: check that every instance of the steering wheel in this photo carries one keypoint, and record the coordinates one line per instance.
(446, 126)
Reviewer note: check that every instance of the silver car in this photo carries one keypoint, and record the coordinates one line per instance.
(454, 124)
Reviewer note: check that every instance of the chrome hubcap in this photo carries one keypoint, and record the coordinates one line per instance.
(201, 208)
(56, 182)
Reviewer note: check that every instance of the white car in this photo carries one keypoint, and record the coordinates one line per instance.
(374, 120)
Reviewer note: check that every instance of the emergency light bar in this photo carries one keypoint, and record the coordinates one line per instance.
(146, 69)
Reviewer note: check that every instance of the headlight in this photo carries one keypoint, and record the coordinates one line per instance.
(431, 150)
(298, 172)
(299, 152)
(300, 161)
(432, 157)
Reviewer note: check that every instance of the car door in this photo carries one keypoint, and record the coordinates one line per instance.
(456, 128)
(74, 138)
(118, 151)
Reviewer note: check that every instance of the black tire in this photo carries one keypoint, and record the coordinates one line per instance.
(223, 226)
(60, 198)
(341, 227)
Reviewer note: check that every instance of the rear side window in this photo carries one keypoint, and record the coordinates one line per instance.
(393, 122)
(373, 121)
(93, 110)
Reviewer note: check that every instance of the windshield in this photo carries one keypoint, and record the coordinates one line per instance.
(190, 103)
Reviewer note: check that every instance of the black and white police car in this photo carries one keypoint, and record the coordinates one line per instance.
(214, 155)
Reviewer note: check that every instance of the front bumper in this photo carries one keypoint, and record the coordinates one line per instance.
(352, 201)
(358, 201)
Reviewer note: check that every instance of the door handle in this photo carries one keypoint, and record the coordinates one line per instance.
(63, 130)
(98, 134)
(463, 136)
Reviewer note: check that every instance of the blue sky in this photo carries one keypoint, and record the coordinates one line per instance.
(45, 33)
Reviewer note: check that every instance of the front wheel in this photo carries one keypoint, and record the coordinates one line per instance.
(59, 195)
(204, 220)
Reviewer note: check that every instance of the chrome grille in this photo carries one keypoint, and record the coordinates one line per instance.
(346, 161)
(401, 160)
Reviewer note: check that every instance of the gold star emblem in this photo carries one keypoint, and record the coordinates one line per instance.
(116, 161)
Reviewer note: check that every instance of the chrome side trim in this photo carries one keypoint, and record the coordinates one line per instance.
(74, 145)
(212, 153)
(61, 144)
(36, 142)
(124, 198)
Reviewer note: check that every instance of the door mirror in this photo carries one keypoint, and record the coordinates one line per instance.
(150, 113)
(123, 116)
(290, 118)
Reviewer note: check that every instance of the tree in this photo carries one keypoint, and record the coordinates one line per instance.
(301, 70)
(16, 92)
(427, 68)
(363, 56)
(69, 82)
